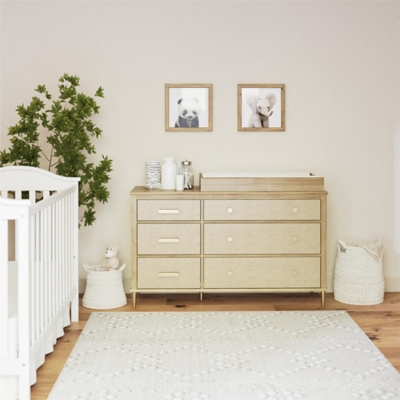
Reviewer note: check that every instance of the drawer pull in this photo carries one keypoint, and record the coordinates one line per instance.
(230, 238)
(168, 240)
(168, 211)
(295, 239)
(168, 274)
(295, 210)
(294, 272)
(230, 273)
(229, 210)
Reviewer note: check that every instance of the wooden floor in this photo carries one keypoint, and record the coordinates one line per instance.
(381, 322)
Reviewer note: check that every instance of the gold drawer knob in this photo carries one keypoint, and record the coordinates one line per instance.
(230, 273)
(294, 272)
(295, 239)
(230, 238)
(230, 210)
(295, 210)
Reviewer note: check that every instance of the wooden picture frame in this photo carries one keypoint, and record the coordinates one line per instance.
(261, 107)
(188, 107)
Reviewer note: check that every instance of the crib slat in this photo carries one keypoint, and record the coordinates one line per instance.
(4, 289)
(35, 256)
(32, 196)
(39, 248)
(54, 261)
(46, 267)
(41, 272)
(65, 251)
(74, 209)
(23, 309)
(67, 248)
(36, 267)
(60, 271)
(55, 265)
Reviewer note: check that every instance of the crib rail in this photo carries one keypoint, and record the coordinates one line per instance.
(19, 212)
(52, 259)
(46, 252)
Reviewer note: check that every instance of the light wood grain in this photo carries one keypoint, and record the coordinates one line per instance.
(153, 239)
(262, 238)
(168, 273)
(266, 184)
(271, 233)
(209, 126)
(258, 210)
(258, 86)
(167, 210)
(262, 272)
(379, 322)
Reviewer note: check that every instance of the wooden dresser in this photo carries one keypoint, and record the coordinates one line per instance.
(202, 242)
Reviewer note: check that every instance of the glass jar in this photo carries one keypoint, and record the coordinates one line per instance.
(186, 170)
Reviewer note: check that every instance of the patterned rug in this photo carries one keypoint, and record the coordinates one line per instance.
(321, 355)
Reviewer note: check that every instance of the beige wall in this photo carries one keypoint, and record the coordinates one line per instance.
(339, 61)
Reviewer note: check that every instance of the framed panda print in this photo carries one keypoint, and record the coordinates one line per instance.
(261, 107)
(188, 107)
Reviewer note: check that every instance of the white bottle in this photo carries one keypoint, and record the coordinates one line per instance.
(168, 174)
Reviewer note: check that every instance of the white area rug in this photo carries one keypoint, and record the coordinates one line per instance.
(319, 355)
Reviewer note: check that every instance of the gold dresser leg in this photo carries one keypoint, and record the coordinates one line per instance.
(134, 300)
(322, 299)
(201, 296)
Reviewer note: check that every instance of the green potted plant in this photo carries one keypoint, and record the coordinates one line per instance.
(66, 125)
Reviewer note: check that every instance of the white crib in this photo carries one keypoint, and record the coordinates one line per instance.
(39, 285)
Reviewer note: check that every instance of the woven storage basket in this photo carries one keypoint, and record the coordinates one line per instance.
(104, 289)
(358, 276)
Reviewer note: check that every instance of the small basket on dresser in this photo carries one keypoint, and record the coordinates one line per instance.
(104, 289)
(358, 277)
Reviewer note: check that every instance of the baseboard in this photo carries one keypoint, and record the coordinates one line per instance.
(392, 284)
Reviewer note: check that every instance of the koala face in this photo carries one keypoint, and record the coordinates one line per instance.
(188, 108)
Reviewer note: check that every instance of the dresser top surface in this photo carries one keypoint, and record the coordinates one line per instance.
(196, 192)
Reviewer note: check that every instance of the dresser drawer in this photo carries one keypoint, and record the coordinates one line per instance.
(168, 210)
(262, 210)
(252, 273)
(168, 273)
(168, 238)
(262, 238)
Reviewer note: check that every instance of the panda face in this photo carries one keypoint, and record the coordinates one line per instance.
(189, 114)
(188, 108)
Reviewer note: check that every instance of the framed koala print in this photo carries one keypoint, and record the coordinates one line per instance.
(188, 107)
(261, 107)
